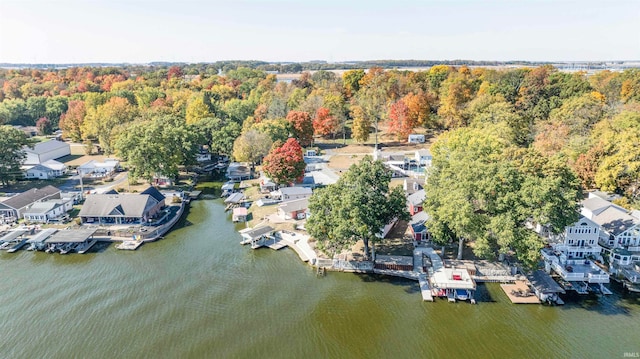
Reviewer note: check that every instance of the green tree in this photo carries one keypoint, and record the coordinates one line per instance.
(482, 189)
(157, 147)
(12, 142)
(356, 207)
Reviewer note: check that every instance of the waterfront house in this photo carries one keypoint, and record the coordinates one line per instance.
(418, 226)
(44, 151)
(49, 210)
(295, 209)
(238, 172)
(13, 208)
(415, 200)
(109, 209)
(267, 185)
(290, 193)
(572, 256)
(620, 237)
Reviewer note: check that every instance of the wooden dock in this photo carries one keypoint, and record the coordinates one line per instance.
(129, 245)
(424, 288)
(520, 293)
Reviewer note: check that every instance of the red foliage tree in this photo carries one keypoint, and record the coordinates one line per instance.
(285, 164)
(71, 121)
(174, 72)
(324, 124)
(302, 127)
(400, 122)
(44, 126)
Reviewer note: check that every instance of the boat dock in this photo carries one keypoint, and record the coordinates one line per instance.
(37, 241)
(18, 245)
(424, 288)
(129, 245)
(519, 293)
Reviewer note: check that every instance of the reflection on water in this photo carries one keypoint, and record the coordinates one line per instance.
(199, 293)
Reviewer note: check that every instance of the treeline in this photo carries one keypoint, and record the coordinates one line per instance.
(591, 123)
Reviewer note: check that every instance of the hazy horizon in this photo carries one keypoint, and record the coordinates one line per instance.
(195, 31)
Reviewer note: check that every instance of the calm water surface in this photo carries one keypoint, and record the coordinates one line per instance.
(199, 293)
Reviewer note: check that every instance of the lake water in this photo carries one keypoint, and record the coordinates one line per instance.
(199, 293)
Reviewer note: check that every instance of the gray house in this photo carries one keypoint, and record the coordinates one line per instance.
(114, 208)
(14, 207)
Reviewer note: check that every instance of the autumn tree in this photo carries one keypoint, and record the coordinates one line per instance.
(361, 127)
(106, 121)
(356, 207)
(324, 124)
(400, 122)
(44, 126)
(302, 126)
(251, 147)
(285, 164)
(197, 109)
(71, 121)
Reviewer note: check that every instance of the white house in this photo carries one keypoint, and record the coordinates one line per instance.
(47, 170)
(415, 138)
(45, 211)
(423, 158)
(99, 169)
(44, 151)
(291, 193)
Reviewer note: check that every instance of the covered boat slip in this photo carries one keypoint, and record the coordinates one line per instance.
(37, 241)
(14, 240)
(80, 240)
(13, 235)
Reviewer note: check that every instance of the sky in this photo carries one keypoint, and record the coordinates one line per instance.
(142, 31)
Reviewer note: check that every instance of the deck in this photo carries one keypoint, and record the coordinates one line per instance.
(520, 293)
(424, 288)
(129, 245)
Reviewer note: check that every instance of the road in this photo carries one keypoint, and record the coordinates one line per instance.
(73, 184)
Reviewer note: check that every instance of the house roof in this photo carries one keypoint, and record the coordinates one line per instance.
(109, 205)
(417, 198)
(27, 197)
(153, 192)
(423, 153)
(43, 207)
(596, 205)
(544, 283)
(47, 146)
(39, 168)
(292, 191)
(234, 198)
(240, 211)
(614, 221)
(418, 222)
(71, 235)
(257, 232)
(612, 218)
(295, 205)
(54, 165)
